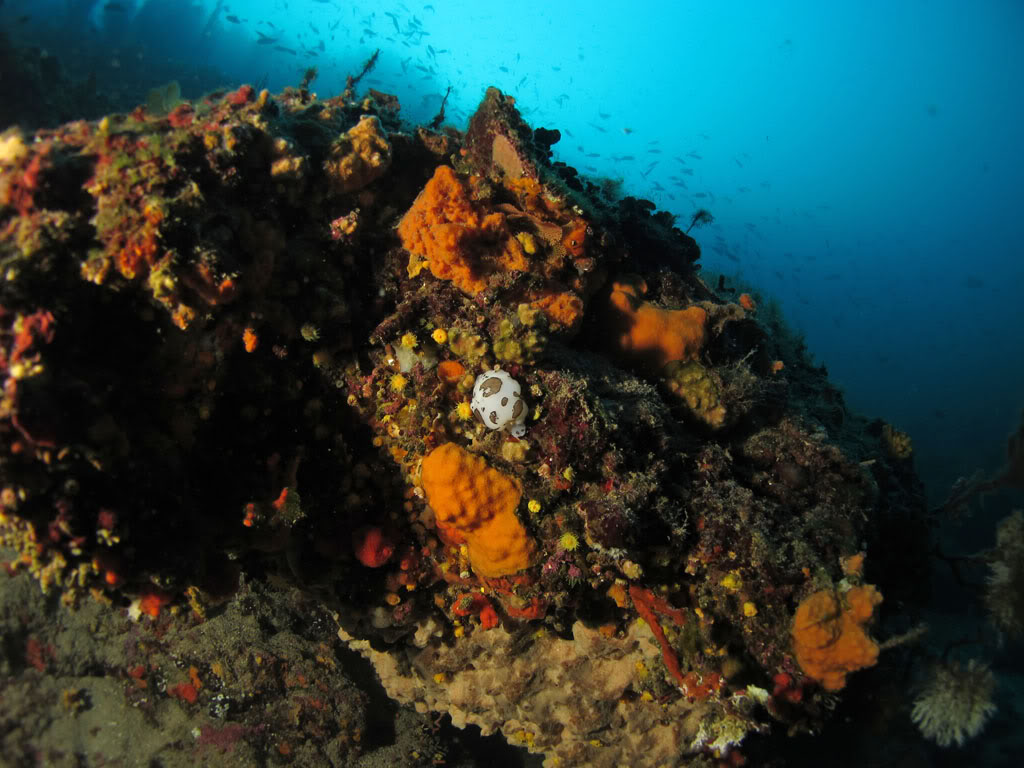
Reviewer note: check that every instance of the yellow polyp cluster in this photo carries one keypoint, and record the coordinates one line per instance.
(440, 335)
(409, 340)
(399, 382)
(897, 444)
(698, 388)
(732, 581)
(464, 411)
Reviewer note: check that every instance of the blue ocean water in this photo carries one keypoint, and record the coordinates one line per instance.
(862, 159)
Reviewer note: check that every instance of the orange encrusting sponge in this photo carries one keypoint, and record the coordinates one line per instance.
(828, 634)
(651, 336)
(459, 242)
(475, 503)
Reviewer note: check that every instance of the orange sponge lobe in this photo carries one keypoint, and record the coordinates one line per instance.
(477, 504)
(828, 634)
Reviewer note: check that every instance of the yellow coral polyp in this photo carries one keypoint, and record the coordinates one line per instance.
(568, 541)
(399, 382)
(440, 335)
(528, 242)
(464, 411)
(732, 581)
(409, 340)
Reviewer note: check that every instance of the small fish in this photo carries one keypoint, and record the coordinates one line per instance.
(592, 154)
(694, 155)
(603, 115)
(503, 69)
(627, 131)
(735, 160)
(114, 8)
(700, 194)
(654, 151)
(233, 19)
(283, 49)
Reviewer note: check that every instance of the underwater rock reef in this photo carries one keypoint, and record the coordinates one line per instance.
(453, 399)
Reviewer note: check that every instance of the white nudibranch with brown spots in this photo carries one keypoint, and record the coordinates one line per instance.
(498, 402)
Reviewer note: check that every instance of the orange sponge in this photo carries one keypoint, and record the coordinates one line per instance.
(828, 634)
(475, 503)
(651, 336)
(458, 240)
